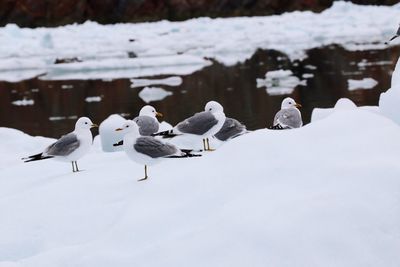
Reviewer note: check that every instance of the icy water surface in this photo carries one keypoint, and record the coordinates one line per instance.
(57, 104)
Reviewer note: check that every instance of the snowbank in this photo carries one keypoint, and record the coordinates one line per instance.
(180, 48)
(314, 196)
(341, 104)
(389, 101)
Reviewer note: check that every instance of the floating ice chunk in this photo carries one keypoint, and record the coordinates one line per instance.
(67, 86)
(150, 94)
(24, 102)
(60, 118)
(307, 75)
(19, 75)
(279, 82)
(364, 63)
(108, 135)
(93, 99)
(170, 81)
(310, 67)
(366, 83)
(389, 101)
(117, 68)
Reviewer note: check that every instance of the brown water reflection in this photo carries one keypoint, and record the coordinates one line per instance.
(234, 87)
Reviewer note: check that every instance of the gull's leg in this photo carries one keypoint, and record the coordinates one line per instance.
(73, 166)
(204, 145)
(145, 174)
(208, 145)
(76, 164)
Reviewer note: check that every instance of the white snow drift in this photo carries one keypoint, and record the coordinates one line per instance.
(326, 194)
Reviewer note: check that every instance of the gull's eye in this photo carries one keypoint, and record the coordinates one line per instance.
(86, 123)
(127, 126)
(210, 109)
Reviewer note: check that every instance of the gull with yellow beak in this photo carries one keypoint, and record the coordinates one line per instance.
(69, 147)
(147, 121)
(147, 150)
(201, 125)
(289, 116)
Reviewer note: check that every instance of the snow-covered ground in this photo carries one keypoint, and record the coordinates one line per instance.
(180, 48)
(326, 194)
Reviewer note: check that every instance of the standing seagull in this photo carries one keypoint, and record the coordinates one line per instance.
(147, 150)
(69, 147)
(231, 129)
(201, 125)
(147, 121)
(289, 116)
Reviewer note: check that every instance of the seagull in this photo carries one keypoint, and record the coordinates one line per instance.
(395, 36)
(148, 150)
(147, 121)
(231, 129)
(201, 125)
(69, 147)
(289, 116)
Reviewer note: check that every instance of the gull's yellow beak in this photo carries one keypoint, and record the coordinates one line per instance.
(158, 114)
(95, 125)
(118, 129)
(298, 105)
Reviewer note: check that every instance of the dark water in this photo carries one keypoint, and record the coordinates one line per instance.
(234, 87)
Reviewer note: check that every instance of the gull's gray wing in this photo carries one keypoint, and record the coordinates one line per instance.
(198, 124)
(231, 129)
(153, 147)
(63, 146)
(147, 125)
(288, 118)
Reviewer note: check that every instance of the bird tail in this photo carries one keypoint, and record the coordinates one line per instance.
(36, 157)
(186, 153)
(276, 127)
(120, 143)
(165, 134)
(391, 39)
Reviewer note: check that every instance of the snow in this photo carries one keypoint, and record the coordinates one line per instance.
(23, 102)
(365, 83)
(107, 53)
(170, 81)
(389, 101)
(151, 94)
(341, 104)
(249, 203)
(279, 82)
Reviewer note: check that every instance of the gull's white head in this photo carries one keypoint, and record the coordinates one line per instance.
(289, 103)
(149, 111)
(129, 127)
(84, 123)
(214, 106)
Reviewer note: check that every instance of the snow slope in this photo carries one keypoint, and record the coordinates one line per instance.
(146, 49)
(327, 194)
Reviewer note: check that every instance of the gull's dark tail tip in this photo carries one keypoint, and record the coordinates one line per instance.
(187, 153)
(391, 39)
(276, 127)
(120, 143)
(165, 134)
(36, 157)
